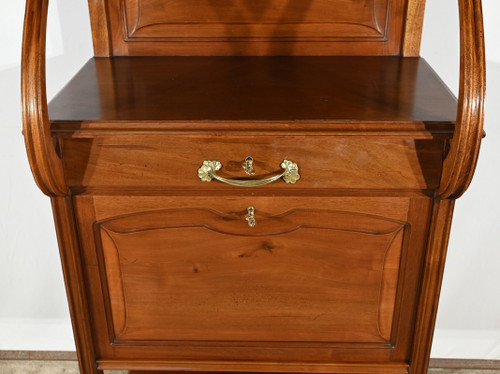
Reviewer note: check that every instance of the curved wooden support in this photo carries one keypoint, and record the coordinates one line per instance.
(461, 160)
(44, 161)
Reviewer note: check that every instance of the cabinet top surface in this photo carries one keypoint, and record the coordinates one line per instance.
(346, 89)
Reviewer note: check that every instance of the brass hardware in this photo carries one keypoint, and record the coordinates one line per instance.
(250, 217)
(248, 166)
(207, 172)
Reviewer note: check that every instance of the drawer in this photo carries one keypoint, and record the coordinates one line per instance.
(169, 162)
(314, 278)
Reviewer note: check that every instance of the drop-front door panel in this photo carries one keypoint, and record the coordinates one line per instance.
(307, 275)
(327, 273)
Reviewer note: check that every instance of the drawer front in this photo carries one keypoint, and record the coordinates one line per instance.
(193, 278)
(169, 162)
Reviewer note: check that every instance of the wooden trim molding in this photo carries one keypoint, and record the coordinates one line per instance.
(255, 367)
(100, 28)
(431, 284)
(460, 163)
(44, 161)
(413, 28)
(69, 250)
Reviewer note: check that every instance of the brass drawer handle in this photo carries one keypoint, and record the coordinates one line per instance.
(207, 172)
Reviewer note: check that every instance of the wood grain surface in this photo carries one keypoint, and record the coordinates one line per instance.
(431, 284)
(355, 89)
(342, 272)
(145, 161)
(413, 28)
(460, 163)
(277, 27)
(74, 279)
(100, 28)
(45, 164)
(360, 223)
(301, 276)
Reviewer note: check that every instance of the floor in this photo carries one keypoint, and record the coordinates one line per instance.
(43, 367)
(70, 367)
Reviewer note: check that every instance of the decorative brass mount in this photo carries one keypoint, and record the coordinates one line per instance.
(207, 172)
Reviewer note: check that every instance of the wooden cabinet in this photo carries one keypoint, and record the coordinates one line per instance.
(254, 187)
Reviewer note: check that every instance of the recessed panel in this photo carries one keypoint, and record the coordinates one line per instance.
(255, 27)
(293, 19)
(304, 276)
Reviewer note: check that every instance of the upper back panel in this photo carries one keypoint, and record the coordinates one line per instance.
(256, 27)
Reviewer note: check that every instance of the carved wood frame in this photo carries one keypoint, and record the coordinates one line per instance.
(460, 163)
(44, 161)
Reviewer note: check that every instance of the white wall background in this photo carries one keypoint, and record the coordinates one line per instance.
(33, 309)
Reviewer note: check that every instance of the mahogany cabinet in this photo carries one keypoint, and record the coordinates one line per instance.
(261, 186)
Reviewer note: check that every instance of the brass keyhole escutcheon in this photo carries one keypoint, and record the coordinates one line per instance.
(250, 217)
(248, 166)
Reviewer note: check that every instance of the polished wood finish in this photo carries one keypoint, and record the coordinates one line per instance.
(355, 89)
(277, 27)
(130, 209)
(100, 28)
(431, 284)
(140, 161)
(191, 253)
(338, 19)
(256, 367)
(45, 163)
(342, 272)
(413, 28)
(460, 163)
(73, 271)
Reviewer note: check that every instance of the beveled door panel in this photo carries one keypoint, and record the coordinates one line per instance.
(260, 27)
(302, 276)
(237, 19)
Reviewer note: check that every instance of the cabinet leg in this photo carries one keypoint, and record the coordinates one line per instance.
(75, 283)
(431, 284)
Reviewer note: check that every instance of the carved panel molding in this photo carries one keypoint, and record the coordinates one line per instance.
(157, 251)
(257, 20)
